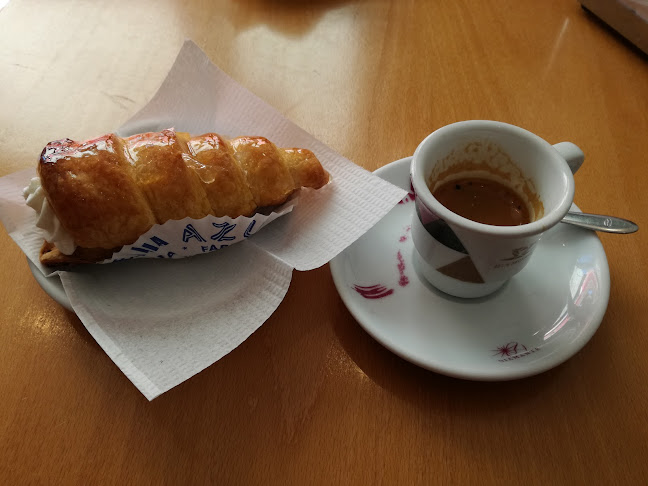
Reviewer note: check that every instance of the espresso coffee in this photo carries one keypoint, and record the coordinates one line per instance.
(484, 201)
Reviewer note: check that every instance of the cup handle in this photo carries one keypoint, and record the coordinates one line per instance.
(572, 154)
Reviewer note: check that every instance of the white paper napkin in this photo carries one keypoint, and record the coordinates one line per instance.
(162, 321)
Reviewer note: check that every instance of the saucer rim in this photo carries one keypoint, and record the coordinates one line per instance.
(557, 358)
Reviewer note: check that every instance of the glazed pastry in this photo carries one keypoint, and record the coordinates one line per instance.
(105, 193)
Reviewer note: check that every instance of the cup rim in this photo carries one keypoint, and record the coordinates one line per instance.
(548, 220)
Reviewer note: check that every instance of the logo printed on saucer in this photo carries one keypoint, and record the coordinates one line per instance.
(379, 291)
(512, 350)
(373, 291)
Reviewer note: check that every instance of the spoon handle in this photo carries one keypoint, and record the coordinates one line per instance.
(598, 222)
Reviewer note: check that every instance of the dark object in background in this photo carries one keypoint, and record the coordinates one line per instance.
(628, 17)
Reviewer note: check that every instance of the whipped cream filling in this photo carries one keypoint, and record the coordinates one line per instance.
(54, 233)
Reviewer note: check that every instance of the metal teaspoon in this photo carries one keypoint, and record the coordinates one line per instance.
(598, 222)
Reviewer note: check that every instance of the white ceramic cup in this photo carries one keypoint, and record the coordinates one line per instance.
(468, 259)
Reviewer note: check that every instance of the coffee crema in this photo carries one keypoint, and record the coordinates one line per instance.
(484, 201)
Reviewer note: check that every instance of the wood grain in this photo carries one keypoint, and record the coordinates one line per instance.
(310, 398)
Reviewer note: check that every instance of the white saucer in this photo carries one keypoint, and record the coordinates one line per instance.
(538, 320)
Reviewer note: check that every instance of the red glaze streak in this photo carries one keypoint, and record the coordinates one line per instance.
(373, 291)
(410, 196)
(403, 238)
(403, 281)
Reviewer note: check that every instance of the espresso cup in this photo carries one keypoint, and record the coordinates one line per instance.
(466, 258)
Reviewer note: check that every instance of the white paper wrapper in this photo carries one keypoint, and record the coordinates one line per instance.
(163, 321)
(188, 237)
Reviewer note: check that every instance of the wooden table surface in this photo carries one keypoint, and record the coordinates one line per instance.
(311, 398)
